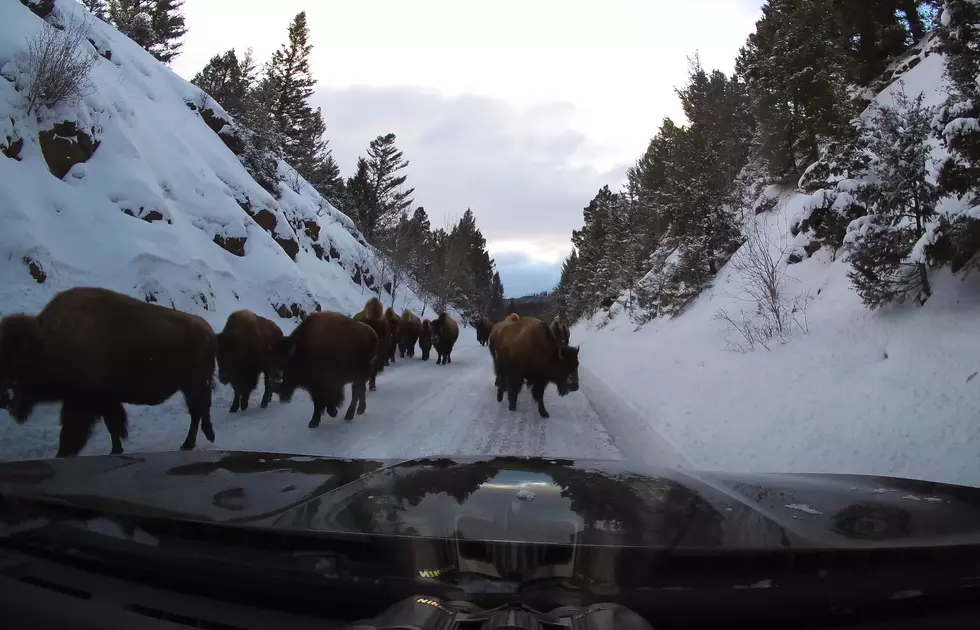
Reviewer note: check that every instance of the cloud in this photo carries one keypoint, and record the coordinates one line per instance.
(522, 275)
(525, 173)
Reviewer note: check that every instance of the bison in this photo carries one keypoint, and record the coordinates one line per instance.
(445, 332)
(373, 316)
(248, 346)
(410, 328)
(483, 328)
(94, 350)
(322, 355)
(492, 340)
(527, 350)
(562, 333)
(394, 333)
(425, 339)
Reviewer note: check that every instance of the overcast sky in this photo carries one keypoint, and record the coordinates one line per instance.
(520, 110)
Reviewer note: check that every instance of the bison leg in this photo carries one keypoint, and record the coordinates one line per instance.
(357, 395)
(235, 402)
(362, 404)
(537, 392)
(114, 416)
(76, 427)
(371, 384)
(199, 408)
(513, 389)
(244, 399)
(267, 394)
(318, 407)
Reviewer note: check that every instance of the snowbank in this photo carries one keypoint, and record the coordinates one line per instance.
(893, 392)
(163, 209)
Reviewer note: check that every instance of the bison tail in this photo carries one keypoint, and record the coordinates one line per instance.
(212, 382)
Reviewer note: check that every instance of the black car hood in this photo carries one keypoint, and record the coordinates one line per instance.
(534, 500)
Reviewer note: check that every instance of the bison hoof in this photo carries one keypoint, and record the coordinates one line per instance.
(233, 409)
(116, 451)
(544, 414)
(332, 412)
(314, 423)
(349, 416)
(208, 432)
(187, 446)
(512, 407)
(263, 404)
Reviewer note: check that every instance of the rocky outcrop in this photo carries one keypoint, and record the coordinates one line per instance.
(231, 244)
(64, 146)
(40, 8)
(150, 216)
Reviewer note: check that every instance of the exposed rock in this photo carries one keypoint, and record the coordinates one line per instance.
(40, 8)
(34, 269)
(64, 146)
(387, 287)
(289, 245)
(356, 276)
(794, 258)
(312, 229)
(212, 120)
(12, 147)
(150, 216)
(318, 250)
(231, 244)
(292, 310)
(105, 52)
(812, 248)
(232, 139)
(334, 254)
(266, 220)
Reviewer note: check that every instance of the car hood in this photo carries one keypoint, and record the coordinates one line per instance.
(534, 500)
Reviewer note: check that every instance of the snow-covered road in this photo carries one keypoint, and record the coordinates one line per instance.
(419, 409)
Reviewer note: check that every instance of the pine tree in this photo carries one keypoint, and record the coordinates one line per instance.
(902, 200)
(287, 85)
(228, 81)
(391, 198)
(957, 240)
(359, 199)
(327, 180)
(134, 19)
(167, 23)
(98, 8)
(156, 25)
(495, 311)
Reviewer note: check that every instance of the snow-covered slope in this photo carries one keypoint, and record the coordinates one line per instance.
(892, 392)
(163, 209)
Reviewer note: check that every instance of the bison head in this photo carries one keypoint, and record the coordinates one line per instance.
(20, 346)
(223, 354)
(289, 369)
(567, 370)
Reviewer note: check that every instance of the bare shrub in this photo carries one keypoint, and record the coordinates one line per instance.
(294, 180)
(774, 310)
(59, 63)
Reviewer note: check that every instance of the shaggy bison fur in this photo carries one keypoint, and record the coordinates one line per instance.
(394, 333)
(425, 339)
(322, 355)
(373, 316)
(93, 350)
(483, 328)
(492, 340)
(410, 328)
(527, 350)
(445, 332)
(248, 346)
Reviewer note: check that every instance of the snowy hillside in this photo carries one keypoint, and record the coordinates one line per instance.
(889, 392)
(162, 209)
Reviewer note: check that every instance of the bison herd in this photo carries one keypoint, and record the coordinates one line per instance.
(93, 350)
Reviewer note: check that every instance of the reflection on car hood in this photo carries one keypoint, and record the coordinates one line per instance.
(538, 500)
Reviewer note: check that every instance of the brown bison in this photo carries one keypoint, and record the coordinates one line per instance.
(411, 326)
(322, 355)
(373, 316)
(425, 339)
(394, 333)
(562, 333)
(483, 328)
(445, 332)
(248, 346)
(94, 350)
(492, 341)
(527, 350)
